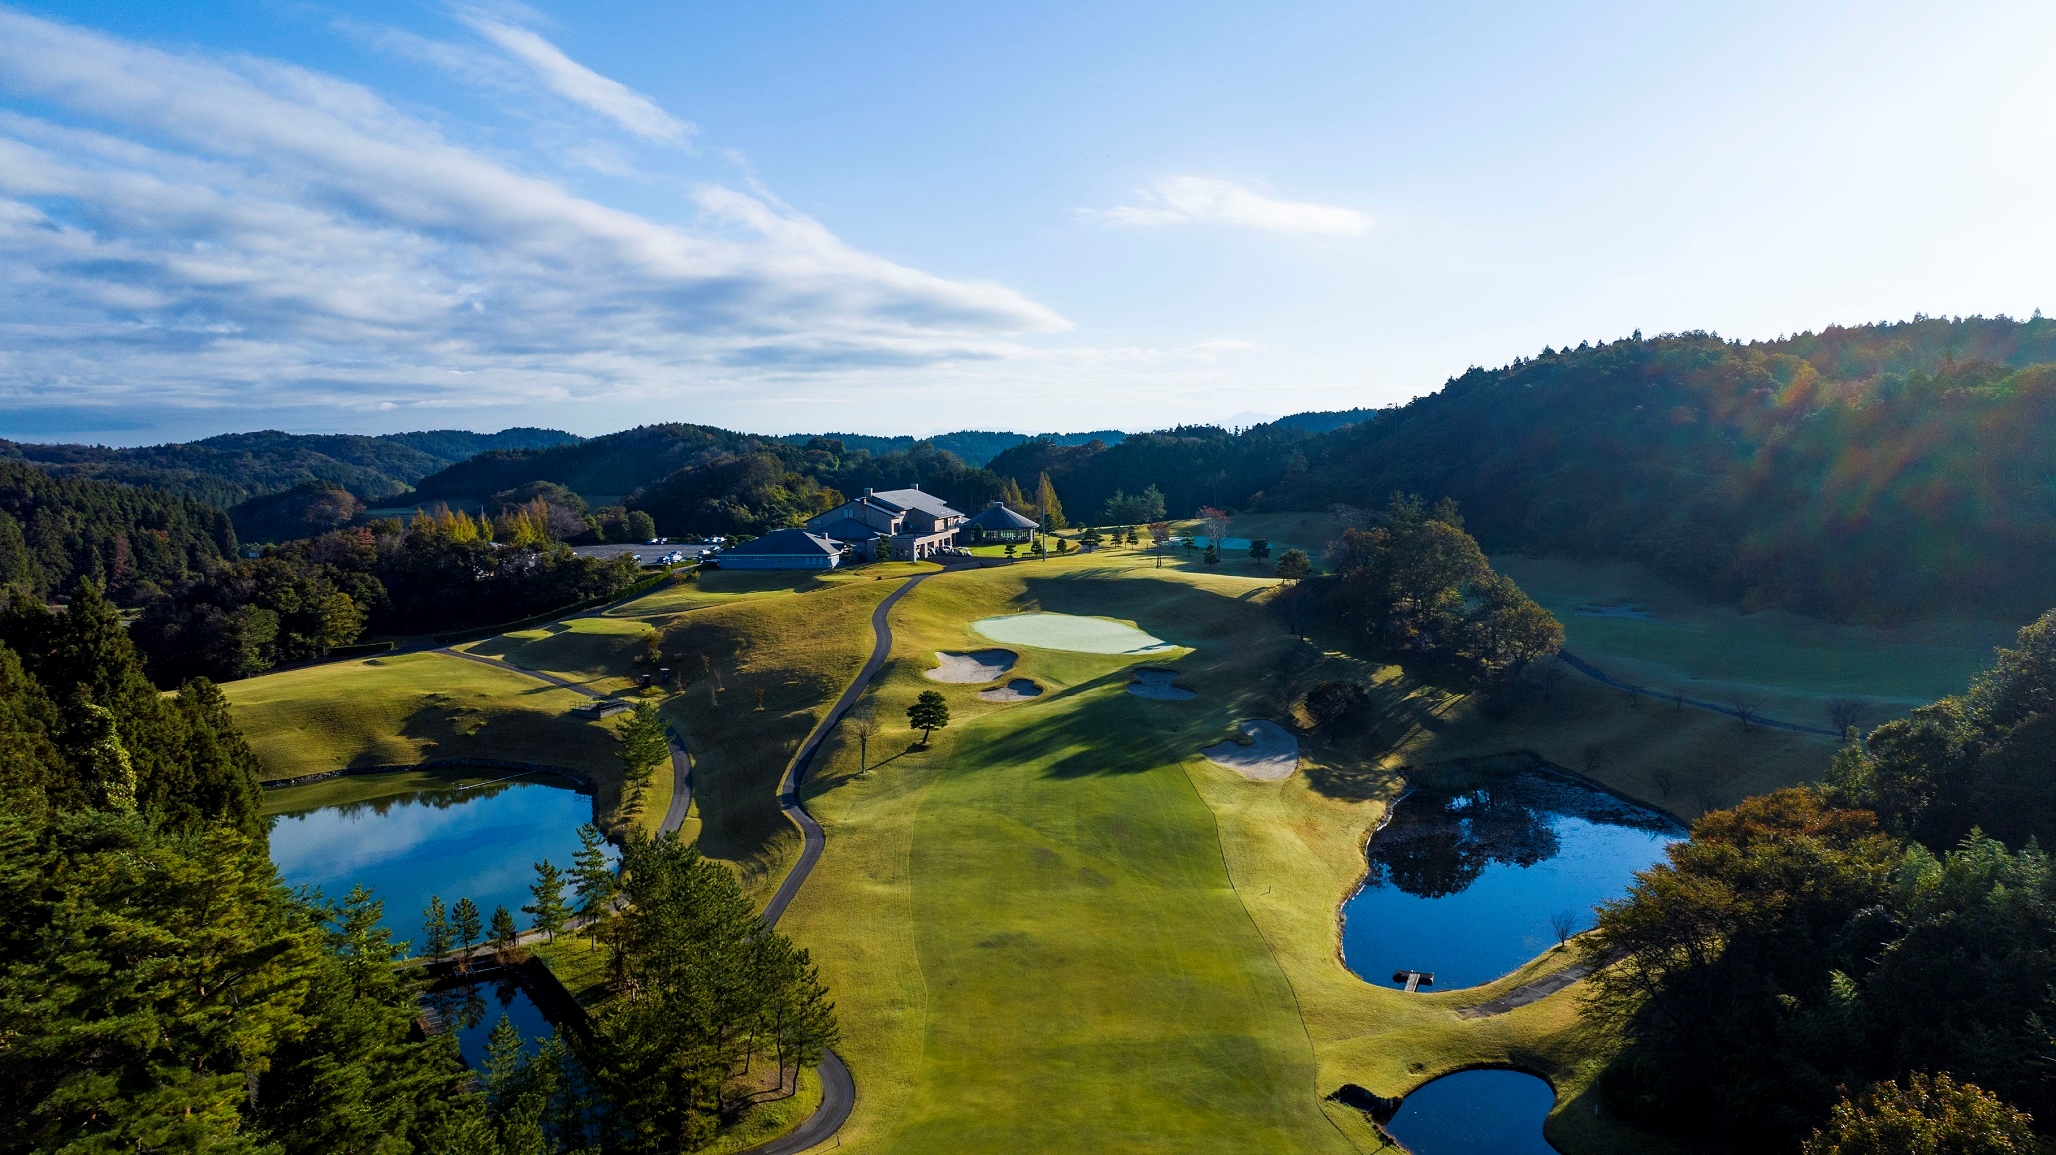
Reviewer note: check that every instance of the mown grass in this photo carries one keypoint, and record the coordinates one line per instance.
(409, 708)
(1783, 664)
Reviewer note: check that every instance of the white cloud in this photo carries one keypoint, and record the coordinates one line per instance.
(581, 85)
(178, 230)
(1190, 200)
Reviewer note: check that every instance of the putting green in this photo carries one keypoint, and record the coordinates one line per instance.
(1079, 635)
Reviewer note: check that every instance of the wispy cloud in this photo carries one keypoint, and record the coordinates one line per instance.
(581, 85)
(1197, 200)
(233, 233)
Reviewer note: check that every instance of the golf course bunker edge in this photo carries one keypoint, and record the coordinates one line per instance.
(1018, 690)
(1270, 755)
(971, 668)
(1160, 685)
(1070, 632)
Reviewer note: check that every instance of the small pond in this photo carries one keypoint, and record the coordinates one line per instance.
(1475, 1113)
(1465, 877)
(473, 1010)
(480, 842)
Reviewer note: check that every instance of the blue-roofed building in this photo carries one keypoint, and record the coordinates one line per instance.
(783, 549)
(906, 524)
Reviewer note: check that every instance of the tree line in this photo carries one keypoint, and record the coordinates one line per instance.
(1822, 964)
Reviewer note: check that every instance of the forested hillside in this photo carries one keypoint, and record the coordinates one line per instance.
(1871, 472)
(56, 532)
(976, 447)
(234, 467)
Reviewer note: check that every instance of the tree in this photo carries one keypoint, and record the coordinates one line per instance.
(435, 929)
(549, 911)
(1930, 1115)
(593, 881)
(1294, 566)
(1332, 703)
(1259, 548)
(929, 713)
(506, 936)
(1090, 539)
(863, 722)
(1562, 924)
(1159, 536)
(1049, 512)
(644, 745)
(1212, 556)
(1010, 495)
(640, 525)
(1214, 524)
(467, 927)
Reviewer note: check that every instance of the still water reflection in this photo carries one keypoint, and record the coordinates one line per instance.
(473, 1010)
(482, 842)
(1465, 877)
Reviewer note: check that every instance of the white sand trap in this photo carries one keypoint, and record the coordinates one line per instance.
(972, 668)
(1271, 755)
(1018, 690)
(1079, 635)
(1160, 685)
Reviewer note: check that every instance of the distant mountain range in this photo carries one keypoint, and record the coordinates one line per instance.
(232, 468)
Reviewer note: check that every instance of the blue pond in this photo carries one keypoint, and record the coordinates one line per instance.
(473, 1011)
(1475, 1113)
(1465, 877)
(482, 843)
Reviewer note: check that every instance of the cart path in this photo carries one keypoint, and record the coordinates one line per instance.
(1601, 676)
(838, 1090)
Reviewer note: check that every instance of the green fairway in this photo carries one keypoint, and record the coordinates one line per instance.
(1786, 665)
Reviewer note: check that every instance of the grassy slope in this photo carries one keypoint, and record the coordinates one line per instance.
(1787, 665)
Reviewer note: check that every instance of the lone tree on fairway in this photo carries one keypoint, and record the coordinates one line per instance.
(592, 879)
(549, 910)
(1159, 535)
(505, 933)
(1294, 566)
(928, 714)
(435, 928)
(863, 722)
(643, 746)
(464, 923)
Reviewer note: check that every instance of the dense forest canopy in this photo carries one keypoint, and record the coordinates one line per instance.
(1896, 922)
(974, 446)
(56, 532)
(1872, 472)
(234, 467)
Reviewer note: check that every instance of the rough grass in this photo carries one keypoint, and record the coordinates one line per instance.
(1784, 664)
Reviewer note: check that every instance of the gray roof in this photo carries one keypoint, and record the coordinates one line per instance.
(998, 516)
(785, 542)
(915, 499)
(849, 529)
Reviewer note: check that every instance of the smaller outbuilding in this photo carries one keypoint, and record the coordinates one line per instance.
(997, 523)
(783, 549)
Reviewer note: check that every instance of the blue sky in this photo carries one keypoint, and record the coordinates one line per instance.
(920, 217)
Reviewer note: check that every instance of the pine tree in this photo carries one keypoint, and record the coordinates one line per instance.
(506, 936)
(465, 924)
(549, 911)
(592, 879)
(929, 713)
(644, 745)
(435, 928)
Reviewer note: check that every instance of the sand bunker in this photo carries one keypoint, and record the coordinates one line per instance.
(1079, 635)
(1271, 755)
(972, 668)
(1159, 684)
(1018, 690)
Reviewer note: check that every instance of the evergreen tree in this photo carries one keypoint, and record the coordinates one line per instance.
(1294, 565)
(549, 910)
(929, 713)
(435, 929)
(466, 926)
(1049, 512)
(506, 936)
(592, 879)
(644, 745)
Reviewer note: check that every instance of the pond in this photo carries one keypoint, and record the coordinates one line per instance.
(1466, 876)
(445, 838)
(471, 1011)
(1475, 1113)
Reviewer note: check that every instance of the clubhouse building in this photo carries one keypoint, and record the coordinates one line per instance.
(903, 524)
